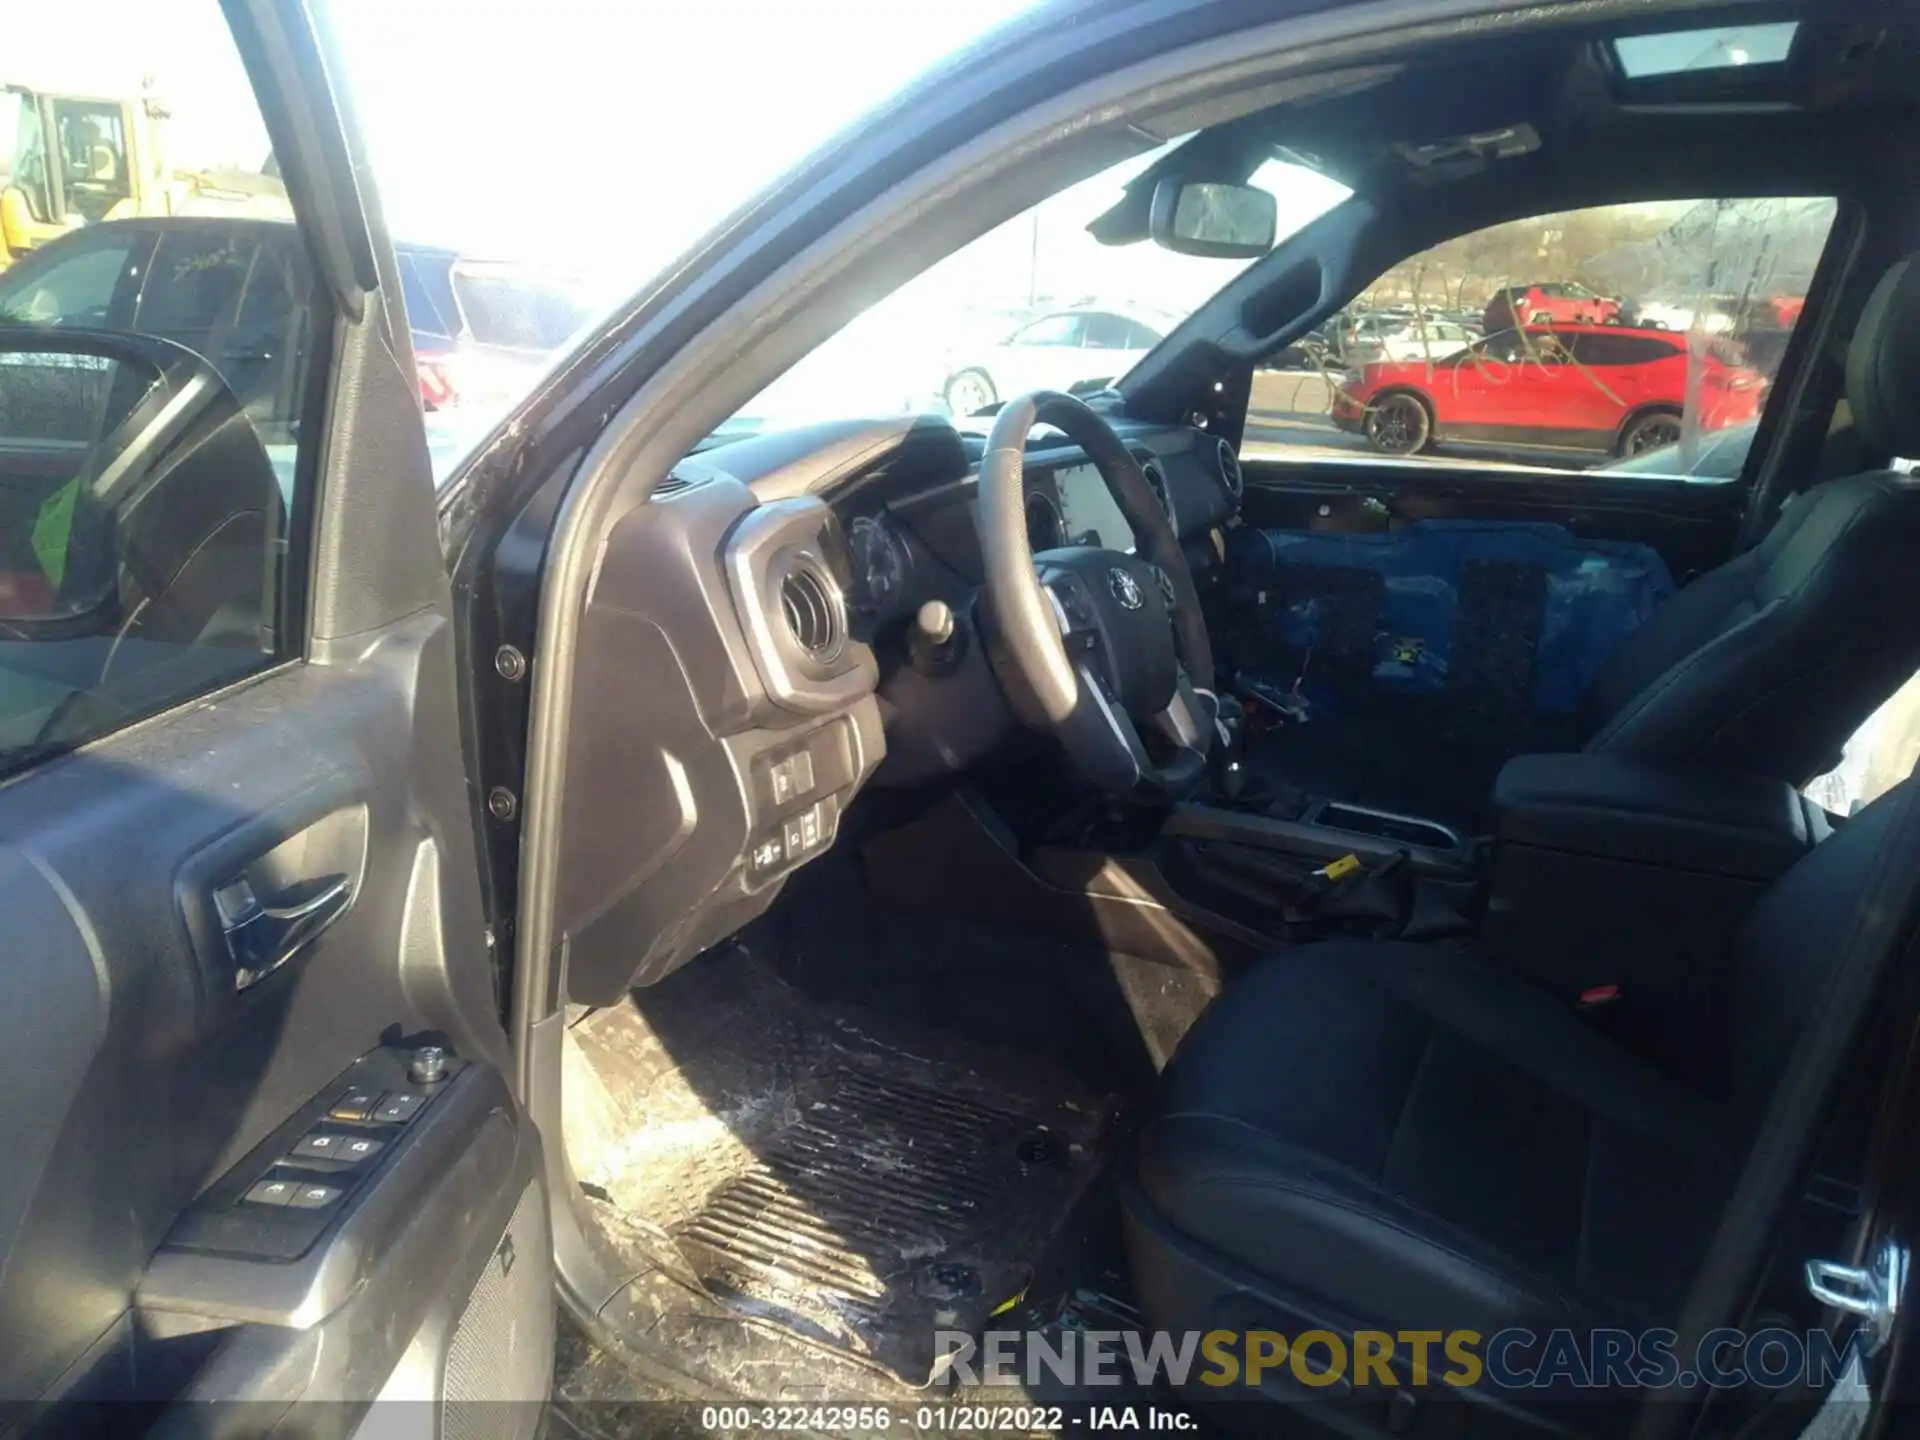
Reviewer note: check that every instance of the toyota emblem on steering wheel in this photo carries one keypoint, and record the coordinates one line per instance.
(1125, 589)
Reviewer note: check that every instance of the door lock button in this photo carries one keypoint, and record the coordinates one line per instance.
(398, 1107)
(272, 1192)
(357, 1104)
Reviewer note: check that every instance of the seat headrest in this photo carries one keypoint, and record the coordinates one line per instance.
(1883, 364)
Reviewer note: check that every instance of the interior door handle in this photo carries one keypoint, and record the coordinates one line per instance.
(261, 938)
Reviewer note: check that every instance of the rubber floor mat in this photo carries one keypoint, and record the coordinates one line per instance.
(854, 1180)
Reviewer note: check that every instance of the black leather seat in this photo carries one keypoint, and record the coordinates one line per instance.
(1389, 1136)
(1771, 661)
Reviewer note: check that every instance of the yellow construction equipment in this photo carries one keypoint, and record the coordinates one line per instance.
(77, 159)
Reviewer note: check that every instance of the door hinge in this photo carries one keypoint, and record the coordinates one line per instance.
(1871, 1292)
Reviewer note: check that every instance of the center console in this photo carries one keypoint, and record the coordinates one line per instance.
(1612, 871)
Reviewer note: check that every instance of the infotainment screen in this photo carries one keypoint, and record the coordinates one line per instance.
(1089, 513)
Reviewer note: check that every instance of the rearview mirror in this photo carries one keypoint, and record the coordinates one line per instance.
(1207, 218)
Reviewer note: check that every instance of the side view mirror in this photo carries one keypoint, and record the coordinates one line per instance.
(1214, 220)
(135, 494)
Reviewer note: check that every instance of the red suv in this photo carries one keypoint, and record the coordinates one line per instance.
(1607, 388)
(1557, 302)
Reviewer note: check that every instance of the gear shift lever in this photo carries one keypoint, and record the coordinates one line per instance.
(1229, 776)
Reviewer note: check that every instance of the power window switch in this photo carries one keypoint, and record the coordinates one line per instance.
(358, 1149)
(272, 1192)
(398, 1107)
(313, 1197)
(357, 1104)
(320, 1147)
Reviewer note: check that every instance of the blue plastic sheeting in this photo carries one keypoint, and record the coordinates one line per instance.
(1596, 593)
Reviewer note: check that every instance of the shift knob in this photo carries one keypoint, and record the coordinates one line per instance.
(935, 622)
(938, 641)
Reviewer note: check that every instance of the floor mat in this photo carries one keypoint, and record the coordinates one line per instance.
(850, 1178)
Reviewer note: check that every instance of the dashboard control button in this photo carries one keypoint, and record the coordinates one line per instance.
(271, 1192)
(796, 838)
(812, 828)
(780, 781)
(398, 1108)
(770, 854)
(356, 1104)
(313, 1197)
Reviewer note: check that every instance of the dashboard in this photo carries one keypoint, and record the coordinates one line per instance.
(747, 668)
(909, 524)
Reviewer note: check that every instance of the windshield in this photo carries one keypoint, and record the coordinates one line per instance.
(1034, 304)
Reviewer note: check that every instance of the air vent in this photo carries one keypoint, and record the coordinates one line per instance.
(1157, 481)
(814, 611)
(671, 486)
(1230, 470)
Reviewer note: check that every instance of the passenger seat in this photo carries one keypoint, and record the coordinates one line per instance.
(1770, 662)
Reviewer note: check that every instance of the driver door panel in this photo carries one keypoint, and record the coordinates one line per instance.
(232, 899)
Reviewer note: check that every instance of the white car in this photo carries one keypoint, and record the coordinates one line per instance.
(1435, 340)
(1056, 351)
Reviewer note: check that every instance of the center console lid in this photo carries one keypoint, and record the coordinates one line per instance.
(1660, 813)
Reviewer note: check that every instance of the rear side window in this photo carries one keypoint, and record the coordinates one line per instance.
(1650, 333)
(155, 404)
(1623, 348)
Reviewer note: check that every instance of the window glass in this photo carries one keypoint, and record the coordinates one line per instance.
(1655, 344)
(516, 309)
(1681, 52)
(26, 148)
(72, 286)
(428, 292)
(1107, 332)
(1140, 337)
(1054, 330)
(93, 146)
(153, 374)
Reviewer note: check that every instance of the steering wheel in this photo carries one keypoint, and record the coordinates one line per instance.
(1096, 645)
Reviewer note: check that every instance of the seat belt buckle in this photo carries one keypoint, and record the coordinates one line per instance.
(1337, 870)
